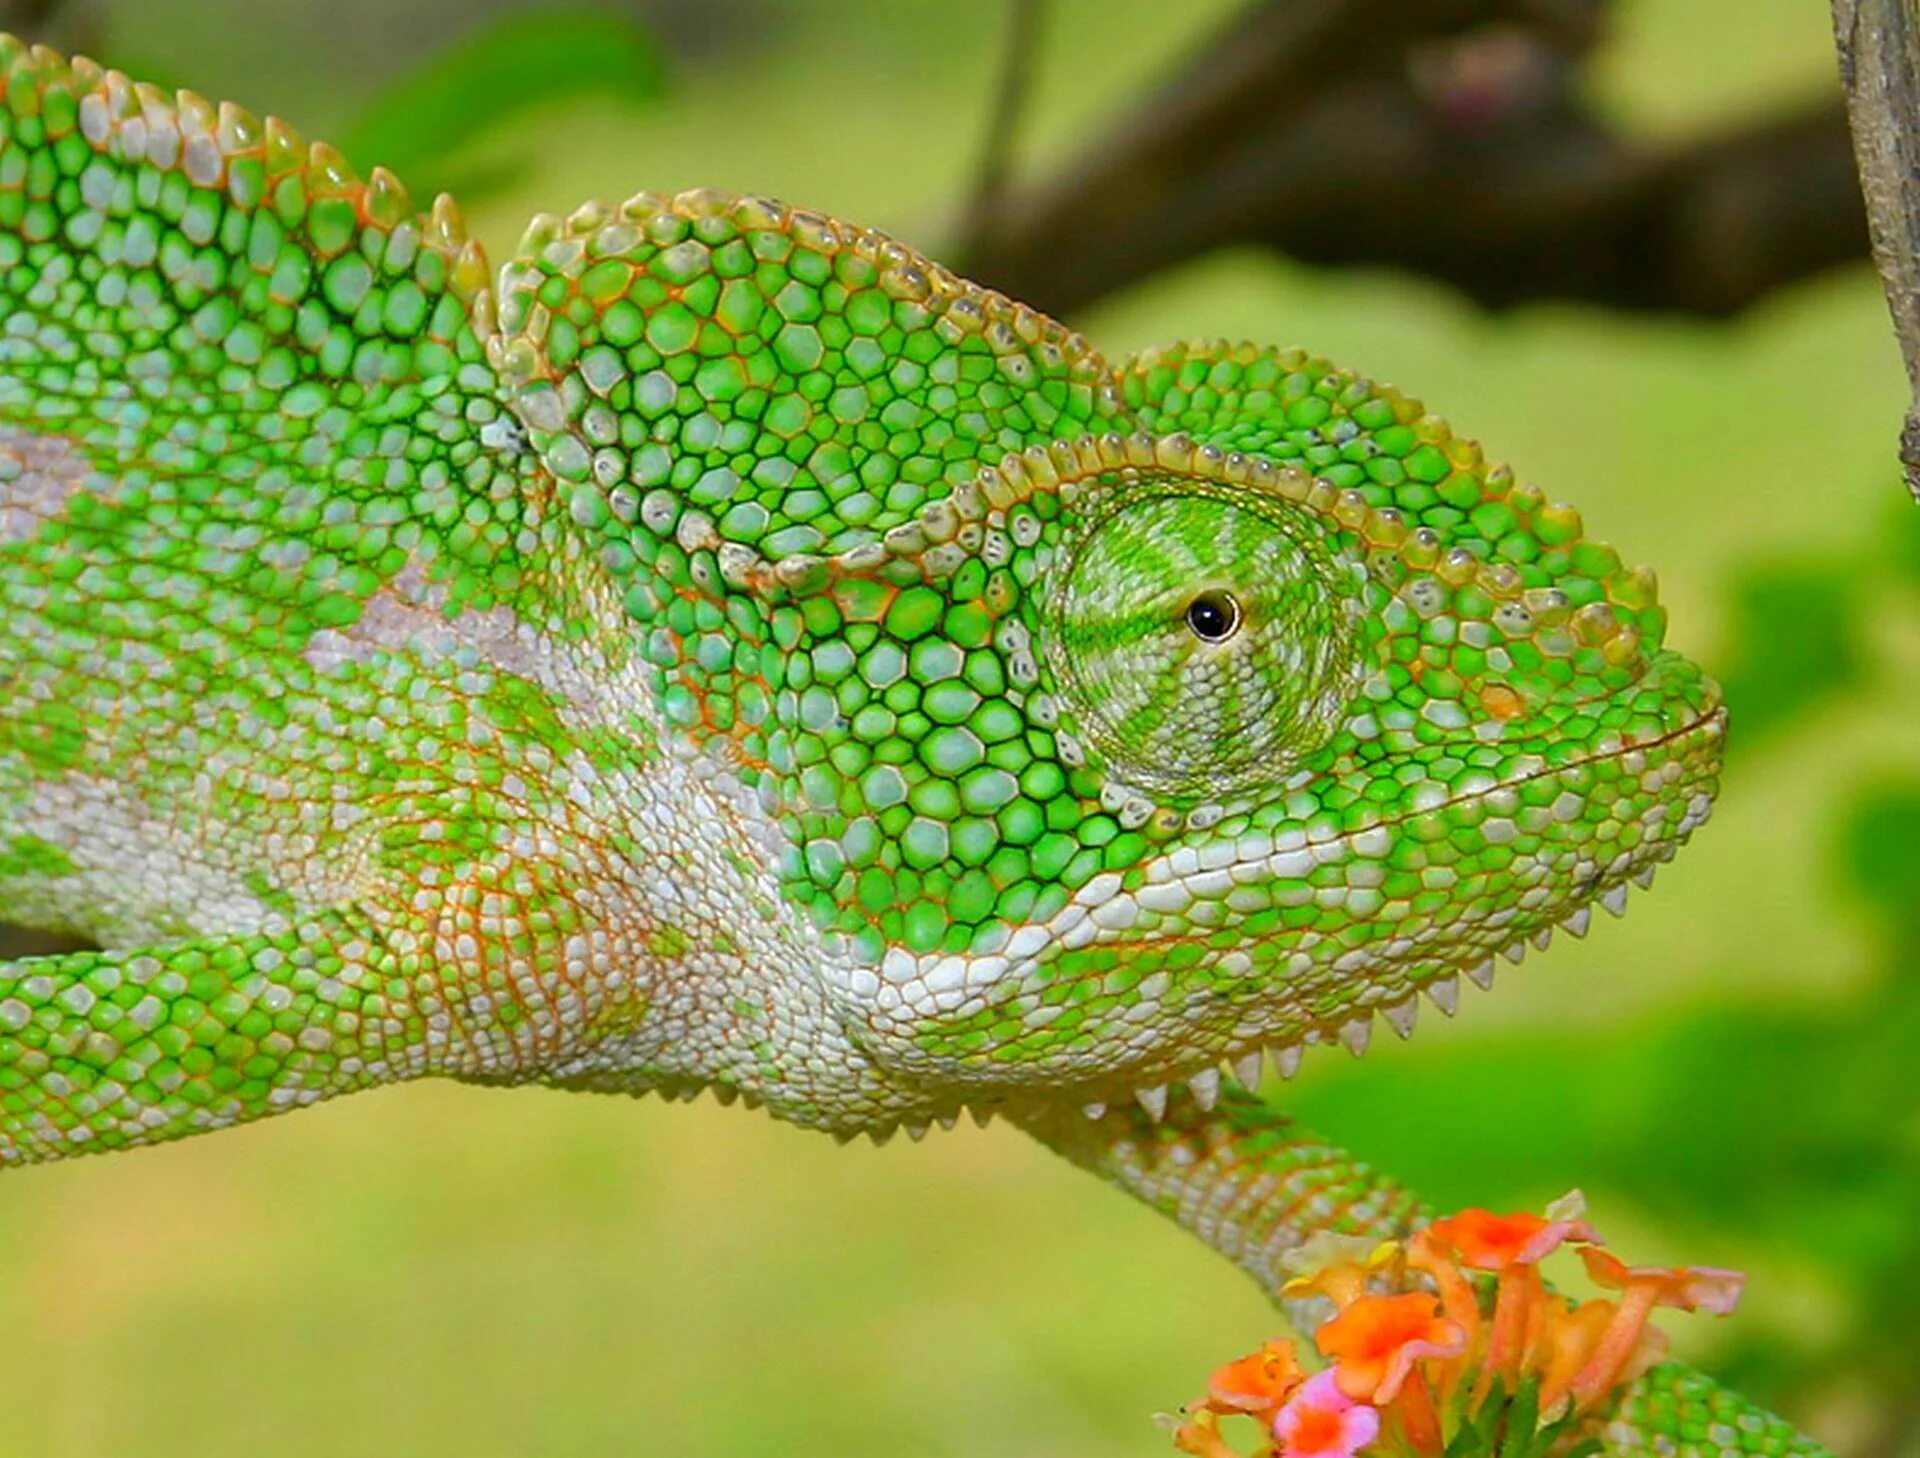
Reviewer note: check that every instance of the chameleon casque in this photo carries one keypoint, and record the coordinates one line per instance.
(726, 651)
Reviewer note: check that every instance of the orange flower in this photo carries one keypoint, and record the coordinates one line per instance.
(1686, 1288)
(1689, 1288)
(1200, 1436)
(1258, 1384)
(1458, 1299)
(1512, 1246)
(1490, 1242)
(1406, 1371)
(1570, 1335)
(1335, 1266)
(1377, 1340)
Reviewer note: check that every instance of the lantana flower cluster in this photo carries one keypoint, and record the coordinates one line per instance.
(1449, 1343)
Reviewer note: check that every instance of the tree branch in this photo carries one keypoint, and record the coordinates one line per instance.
(1452, 142)
(67, 25)
(1879, 45)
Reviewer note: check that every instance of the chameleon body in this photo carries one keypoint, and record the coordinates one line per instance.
(725, 651)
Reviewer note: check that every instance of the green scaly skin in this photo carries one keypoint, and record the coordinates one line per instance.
(727, 652)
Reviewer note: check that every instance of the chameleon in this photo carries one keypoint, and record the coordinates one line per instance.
(723, 651)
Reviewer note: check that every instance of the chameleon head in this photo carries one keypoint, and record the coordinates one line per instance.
(1103, 721)
(1192, 755)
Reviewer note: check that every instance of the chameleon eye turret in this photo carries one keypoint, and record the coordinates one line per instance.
(1201, 639)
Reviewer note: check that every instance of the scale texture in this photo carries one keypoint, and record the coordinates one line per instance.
(724, 651)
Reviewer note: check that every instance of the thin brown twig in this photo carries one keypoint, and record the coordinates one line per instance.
(1021, 45)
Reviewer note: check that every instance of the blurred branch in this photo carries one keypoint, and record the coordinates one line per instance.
(66, 25)
(1016, 74)
(20, 942)
(1879, 44)
(1443, 136)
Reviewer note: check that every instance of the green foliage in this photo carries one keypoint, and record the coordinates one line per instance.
(1796, 644)
(1903, 534)
(1880, 852)
(1507, 1425)
(494, 74)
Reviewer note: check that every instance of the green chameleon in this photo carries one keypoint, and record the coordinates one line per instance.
(725, 651)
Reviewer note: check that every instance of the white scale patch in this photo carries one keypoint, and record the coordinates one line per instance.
(39, 474)
(134, 869)
(746, 1000)
(406, 617)
(906, 985)
(705, 867)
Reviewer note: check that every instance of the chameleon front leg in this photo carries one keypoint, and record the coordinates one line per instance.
(1244, 1177)
(102, 1050)
(1253, 1184)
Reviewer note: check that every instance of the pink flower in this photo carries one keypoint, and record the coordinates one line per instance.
(1321, 1421)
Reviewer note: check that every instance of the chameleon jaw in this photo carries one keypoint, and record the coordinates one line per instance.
(1610, 891)
(1554, 885)
(941, 1101)
(1355, 1034)
(1247, 1067)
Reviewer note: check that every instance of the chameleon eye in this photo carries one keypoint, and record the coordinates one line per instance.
(1214, 616)
(1179, 692)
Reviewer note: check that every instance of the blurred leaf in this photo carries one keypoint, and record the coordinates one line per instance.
(1699, 1115)
(471, 179)
(1903, 535)
(1881, 852)
(1796, 643)
(1673, 1113)
(501, 67)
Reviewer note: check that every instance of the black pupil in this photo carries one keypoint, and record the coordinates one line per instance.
(1213, 616)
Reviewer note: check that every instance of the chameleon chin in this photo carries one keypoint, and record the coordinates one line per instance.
(721, 650)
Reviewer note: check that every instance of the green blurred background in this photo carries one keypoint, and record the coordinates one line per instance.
(1728, 1072)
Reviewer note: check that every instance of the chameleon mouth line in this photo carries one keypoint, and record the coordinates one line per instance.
(1355, 1033)
(1716, 716)
(957, 977)
(1081, 921)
